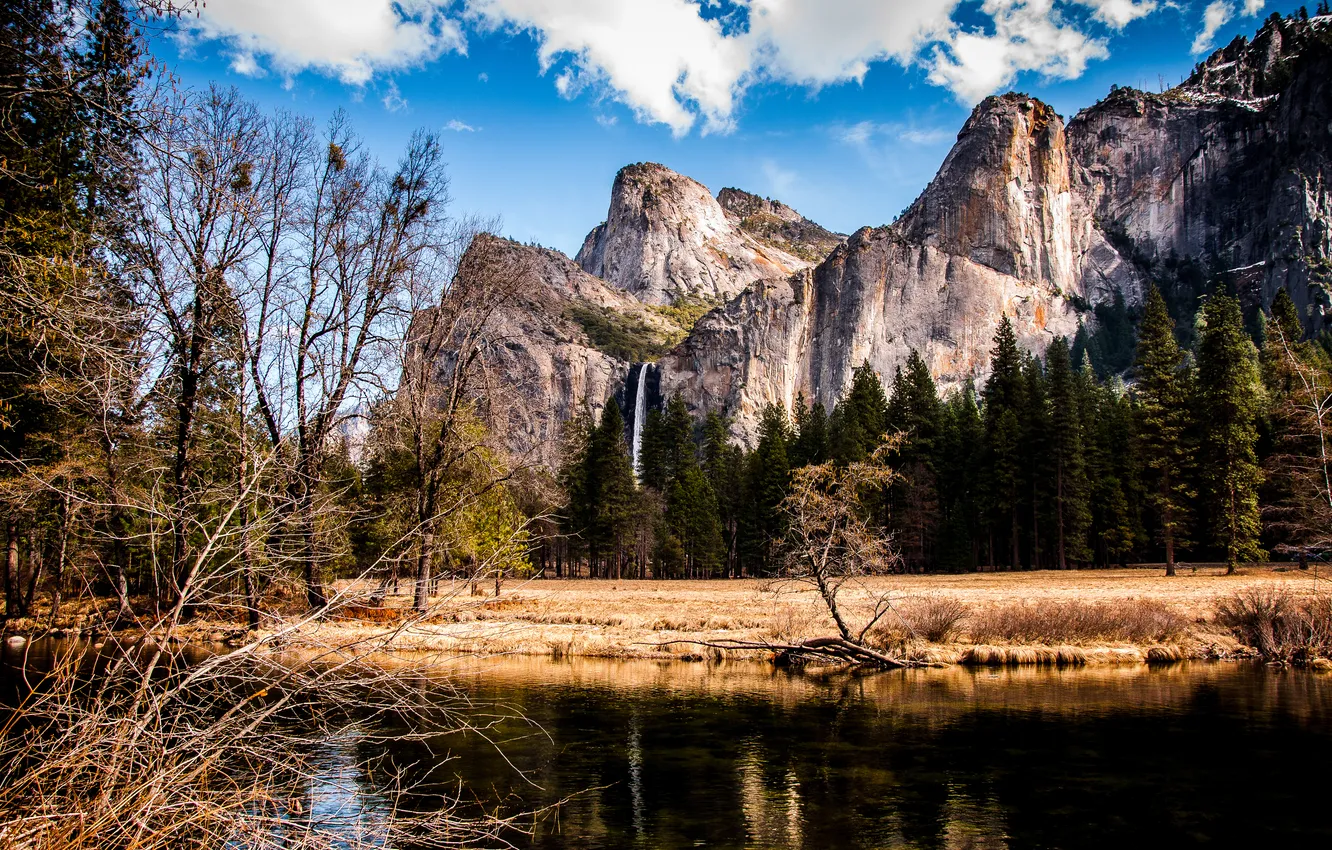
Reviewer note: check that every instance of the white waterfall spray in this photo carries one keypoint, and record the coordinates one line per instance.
(640, 412)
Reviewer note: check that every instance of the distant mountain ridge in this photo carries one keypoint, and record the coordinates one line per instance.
(1221, 181)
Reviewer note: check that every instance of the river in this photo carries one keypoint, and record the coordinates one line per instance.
(666, 755)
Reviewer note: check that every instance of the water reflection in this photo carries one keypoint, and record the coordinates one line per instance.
(737, 756)
(770, 796)
(665, 755)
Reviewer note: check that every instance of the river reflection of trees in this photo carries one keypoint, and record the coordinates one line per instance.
(677, 755)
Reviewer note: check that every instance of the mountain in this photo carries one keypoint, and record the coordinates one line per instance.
(562, 342)
(667, 240)
(1218, 182)
(1223, 178)
(997, 233)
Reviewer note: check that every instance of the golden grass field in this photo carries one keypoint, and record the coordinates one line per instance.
(662, 619)
(1122, 616)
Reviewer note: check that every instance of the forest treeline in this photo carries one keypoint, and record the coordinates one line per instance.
(1214, 452)
(241, 359)
(239, 356)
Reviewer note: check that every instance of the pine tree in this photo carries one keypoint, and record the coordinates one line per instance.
(654, 466)
(1035, 418)
(810, 445)
(1072, 514)
(914, 407)
(1164, 390)
(1230, 398)
(1112, 473)
(1004, 401)
(860, 419)
(723, 464)
(577, 513)
(678, 435)
(915, 410)
(957, 459)
(767, 478)
(610, 491)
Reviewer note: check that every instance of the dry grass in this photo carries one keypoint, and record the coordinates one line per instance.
(932, 617)
(1074, 621)
(1110, 615)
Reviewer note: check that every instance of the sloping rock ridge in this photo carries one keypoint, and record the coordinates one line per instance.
(666, 239)
(563, 342)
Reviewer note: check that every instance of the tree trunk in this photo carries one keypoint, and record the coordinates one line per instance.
(38, 563)
(1017, 557)
(123, 611)
(421, 601)
(1168, 530)
(13, 602)
(1059, 510)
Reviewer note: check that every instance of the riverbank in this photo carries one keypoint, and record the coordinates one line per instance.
(1129, 616)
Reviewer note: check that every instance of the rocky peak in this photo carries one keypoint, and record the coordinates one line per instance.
(1261, 68)
(666, 240)
(1001, 197)
(776, 224)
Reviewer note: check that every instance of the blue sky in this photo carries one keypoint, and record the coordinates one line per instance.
(842, 108)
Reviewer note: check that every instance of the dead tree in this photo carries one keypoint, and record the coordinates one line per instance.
(829, 548)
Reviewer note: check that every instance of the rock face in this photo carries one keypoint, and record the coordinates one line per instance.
(996, 234)
(1229, 170)
(666, 239)
(1004, 199)
(1027, 219)
(545, 359)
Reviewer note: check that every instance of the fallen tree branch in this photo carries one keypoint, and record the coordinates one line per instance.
(825, 648)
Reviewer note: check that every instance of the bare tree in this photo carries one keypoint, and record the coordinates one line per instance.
(1301, 466)
(195, 199)
(435, 413)
(341, 240)
(830, 548)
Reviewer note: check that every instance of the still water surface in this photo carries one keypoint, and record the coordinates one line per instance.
(666, 755)
(738, 756)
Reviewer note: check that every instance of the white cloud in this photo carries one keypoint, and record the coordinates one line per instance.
(861, 134)
(351, 39)
(459, 127)
(1029, 35)
(483, 77)
(818, 42)
(932, 136)
(1252, 7)
(780, 181)
(1120, 13)
(661, 57)
(1217, 14)
(683, 63)
(245, 64)
(393, 100)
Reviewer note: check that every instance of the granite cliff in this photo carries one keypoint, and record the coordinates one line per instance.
(561, 343)
(666, 239)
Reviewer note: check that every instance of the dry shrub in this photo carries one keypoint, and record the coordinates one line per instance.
(370, 614)
(984, 655)
(1279, 625)
(931, 617)
(791, 623)
(1129, 620)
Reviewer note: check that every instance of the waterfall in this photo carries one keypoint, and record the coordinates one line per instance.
(640, 411)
